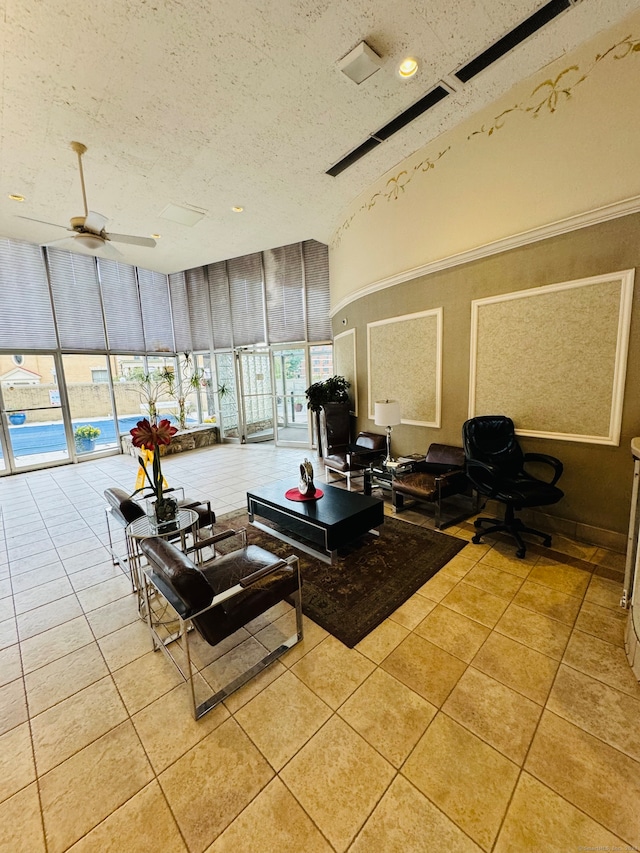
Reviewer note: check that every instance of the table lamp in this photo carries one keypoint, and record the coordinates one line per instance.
(387, 414)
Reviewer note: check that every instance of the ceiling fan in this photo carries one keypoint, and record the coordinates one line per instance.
(89, 230)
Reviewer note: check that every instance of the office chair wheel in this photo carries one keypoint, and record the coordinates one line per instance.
(547, 542)
(521, 552)
(477, 539)
(477, 523)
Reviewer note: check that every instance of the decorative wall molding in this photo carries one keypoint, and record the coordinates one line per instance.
(404, 361)
(534, 351)
(345, 364)
(616, 210)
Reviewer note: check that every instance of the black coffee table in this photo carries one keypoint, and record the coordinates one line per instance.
(331, 522)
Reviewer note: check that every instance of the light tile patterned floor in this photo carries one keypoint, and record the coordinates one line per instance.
(493, 711)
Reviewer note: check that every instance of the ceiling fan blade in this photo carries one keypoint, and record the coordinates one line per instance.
(109, 251)
(135, 241)
(95, 222)
(62, 243)
(42, 222)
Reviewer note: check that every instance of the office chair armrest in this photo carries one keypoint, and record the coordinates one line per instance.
(480, 483)
(554, 463)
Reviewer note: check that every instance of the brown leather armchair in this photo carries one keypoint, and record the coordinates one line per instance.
(439, 476)
(216, 598)
(354, 458)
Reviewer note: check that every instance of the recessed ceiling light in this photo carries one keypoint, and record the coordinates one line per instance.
(16, 197)
(237, 209)
(156, 236)
(407, 67)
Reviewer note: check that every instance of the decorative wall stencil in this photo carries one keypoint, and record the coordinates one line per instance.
(394, 187)
(344, 363)
(546, 97)
(405, 364)
(534, 351)
(551, 93)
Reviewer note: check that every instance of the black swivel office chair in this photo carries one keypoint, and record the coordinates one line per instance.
(495, 465)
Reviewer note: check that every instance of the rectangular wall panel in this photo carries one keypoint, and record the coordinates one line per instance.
(534, 352)
(344, 363)
(405, 364)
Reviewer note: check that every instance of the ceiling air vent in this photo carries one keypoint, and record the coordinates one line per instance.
(517, 35)
(425, 103)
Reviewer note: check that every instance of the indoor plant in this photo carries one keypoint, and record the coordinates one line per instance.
(331, 390)
(189, 378)
(152, 437)
(85, 437)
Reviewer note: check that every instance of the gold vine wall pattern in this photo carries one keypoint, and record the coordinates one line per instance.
(546, 97)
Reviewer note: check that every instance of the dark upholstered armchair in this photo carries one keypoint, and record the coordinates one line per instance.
(495, 464)
(438, 477)
(217, 598)
(354, 458)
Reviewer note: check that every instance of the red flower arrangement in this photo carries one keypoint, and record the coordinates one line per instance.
(152, 437)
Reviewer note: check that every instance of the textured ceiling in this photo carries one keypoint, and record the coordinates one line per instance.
(211, 105)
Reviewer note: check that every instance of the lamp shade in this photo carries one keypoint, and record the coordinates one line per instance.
(387, 412)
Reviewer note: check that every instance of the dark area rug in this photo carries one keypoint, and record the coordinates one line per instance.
(368, 581)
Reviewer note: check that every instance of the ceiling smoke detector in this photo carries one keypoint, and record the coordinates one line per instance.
(360, 63)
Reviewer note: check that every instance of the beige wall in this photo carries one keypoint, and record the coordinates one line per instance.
(597, 479)
(509, 169)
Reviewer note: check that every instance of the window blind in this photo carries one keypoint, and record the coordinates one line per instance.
(121, 306)
(220, 305)
(247, 301)
(316, 273)
(156, 311)
(25, 306)
(284, 286)
(199, 311)
(76, 299)
(180, 312)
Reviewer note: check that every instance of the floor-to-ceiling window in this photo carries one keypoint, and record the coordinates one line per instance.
(100, 343)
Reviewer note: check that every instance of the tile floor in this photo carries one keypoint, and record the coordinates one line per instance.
(493, 711)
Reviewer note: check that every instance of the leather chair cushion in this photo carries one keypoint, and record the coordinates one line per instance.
(527, 492)
(369, 441)
(125, 509)
(174, 567)
(336, 461)
(205, 518)
(445, 455)
(423, 485)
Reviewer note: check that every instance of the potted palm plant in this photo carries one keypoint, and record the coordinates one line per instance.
(85, 437)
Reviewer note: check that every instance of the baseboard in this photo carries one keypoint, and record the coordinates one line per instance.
(609, 539)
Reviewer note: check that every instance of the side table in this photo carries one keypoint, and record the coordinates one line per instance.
(378, 474)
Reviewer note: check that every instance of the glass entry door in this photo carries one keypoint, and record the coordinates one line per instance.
(34, 430)
(290, 375)
(255, 398)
